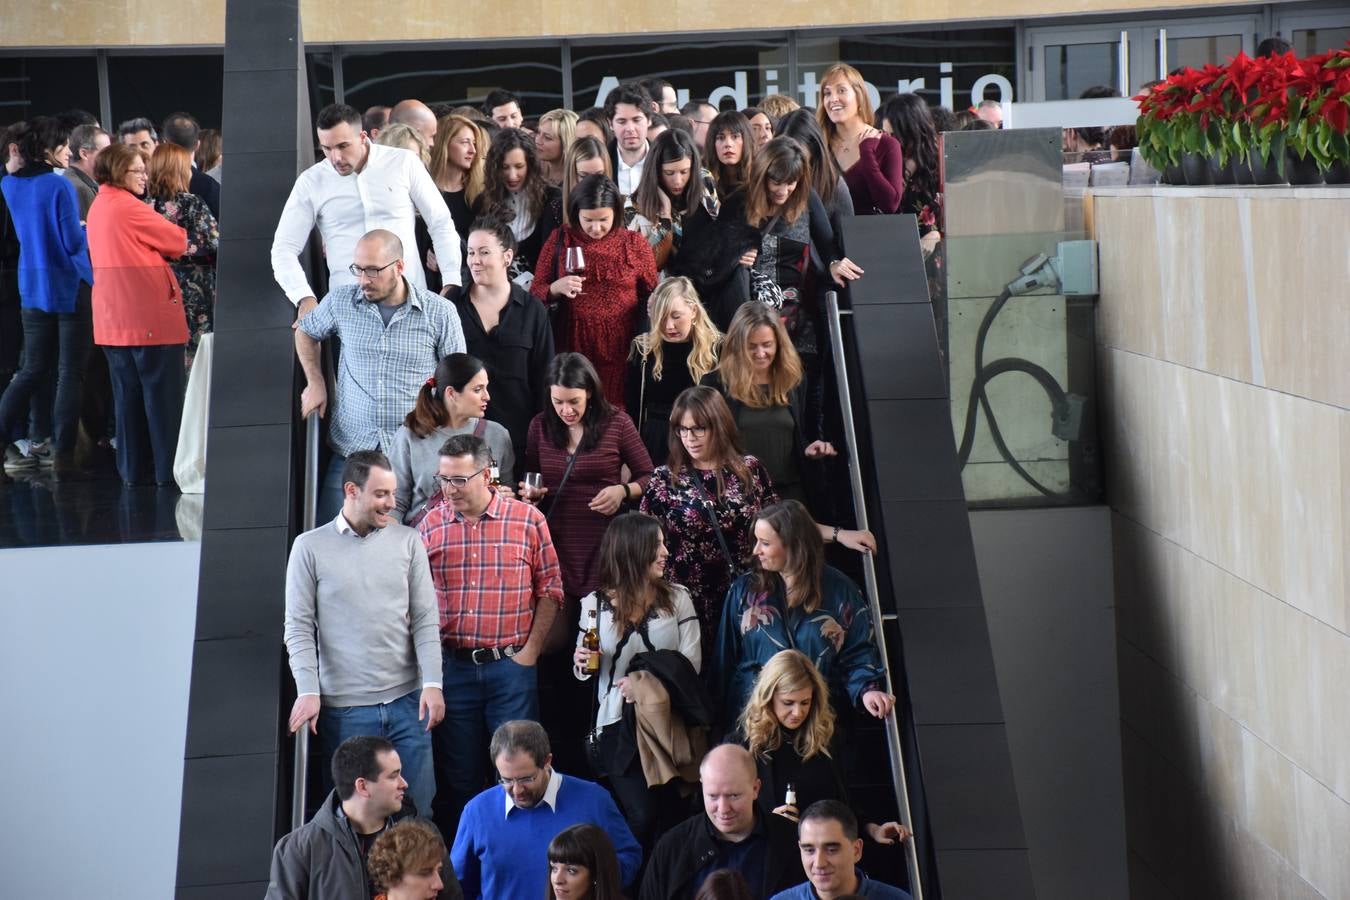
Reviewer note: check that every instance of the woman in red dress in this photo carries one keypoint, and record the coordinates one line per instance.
(601, 304)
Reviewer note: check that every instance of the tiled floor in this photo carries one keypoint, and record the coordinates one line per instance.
(36, 511)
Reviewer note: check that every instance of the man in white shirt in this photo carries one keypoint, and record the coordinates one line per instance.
(626, 107)
(358, 187)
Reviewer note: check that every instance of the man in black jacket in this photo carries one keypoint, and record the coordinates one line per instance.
(181, 129)
(326, 857)
(730, 834)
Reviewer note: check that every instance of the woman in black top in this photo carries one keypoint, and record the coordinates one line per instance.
(678, 352)
(515, 190)
(729, 151)
(506, 328)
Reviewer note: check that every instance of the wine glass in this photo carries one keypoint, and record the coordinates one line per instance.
(576, 261)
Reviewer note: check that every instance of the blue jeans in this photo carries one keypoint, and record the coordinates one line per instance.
(330, 490)
(57, 342)
(148, 385)
(396, 721)
(477, 700)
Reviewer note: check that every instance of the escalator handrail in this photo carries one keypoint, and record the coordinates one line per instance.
(308, 512)
(890, 723)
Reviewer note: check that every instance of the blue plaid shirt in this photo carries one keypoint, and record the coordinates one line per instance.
(381, 368)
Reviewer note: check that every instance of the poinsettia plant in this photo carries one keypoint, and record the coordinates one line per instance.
(1258, 107)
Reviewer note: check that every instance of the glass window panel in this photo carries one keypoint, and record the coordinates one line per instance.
(737, 72)
(894, 62)
(319, 75)
(1308, 41)
(44, 85)
(454, 75)
(156, 85)
(1071, 69)
(1197, 52)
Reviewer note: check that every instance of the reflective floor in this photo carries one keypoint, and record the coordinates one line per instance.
(36, 511)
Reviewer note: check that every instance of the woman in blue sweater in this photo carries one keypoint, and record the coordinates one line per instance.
(791, 600)
(53, 260)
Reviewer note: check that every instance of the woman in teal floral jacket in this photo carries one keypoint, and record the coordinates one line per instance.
(791, 600)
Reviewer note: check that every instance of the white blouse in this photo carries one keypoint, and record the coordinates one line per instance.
(662, 632)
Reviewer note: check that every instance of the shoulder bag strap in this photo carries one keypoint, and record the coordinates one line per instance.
(567, 473)
(712, 516)
(642, 394)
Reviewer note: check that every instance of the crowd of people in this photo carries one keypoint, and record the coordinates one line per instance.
(106, 243)
(581, 559)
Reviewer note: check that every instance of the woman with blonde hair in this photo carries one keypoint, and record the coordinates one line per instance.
(788, 725)
(405, 137)
(169, 173)
(557, 130)
(458, 158)
(679, 351)
(872, 161)
(585, 156)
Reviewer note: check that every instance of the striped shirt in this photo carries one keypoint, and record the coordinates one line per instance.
(489, 572)
(381, 367)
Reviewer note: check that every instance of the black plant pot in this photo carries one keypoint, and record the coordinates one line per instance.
(1196, 169)
(1339, 173)
(1241, 168)
(1264, 171)
(1173, 175)
(1302, 171)
(1219, 174)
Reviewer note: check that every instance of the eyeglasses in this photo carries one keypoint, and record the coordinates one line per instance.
(697, 431)
(458, 481)
(369, 271)
(523, 781)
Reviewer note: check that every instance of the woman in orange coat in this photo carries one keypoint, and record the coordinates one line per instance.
(138, 315)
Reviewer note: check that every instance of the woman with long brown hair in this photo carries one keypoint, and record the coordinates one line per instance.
(585, 156)
(729, 151)
(458, 166)
(168, 175)
(791, 599)
(872, 161)
(706, 498)
(453, 401)
(635, 609)
(515, 189)
(557, 130)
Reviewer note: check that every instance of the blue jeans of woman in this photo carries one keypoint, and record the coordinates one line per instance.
(59, 341)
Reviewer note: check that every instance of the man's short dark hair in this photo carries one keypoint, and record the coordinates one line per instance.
(632, 93)
(357, 757)
(359, 464)
(375, 118)
(832, 810)
(140, 123)
(183, 130)
(656, 87)
(693, 106)
(499, 97)
(520, 736)
(656, 118)
(74, 118)
(334, 114)
(468, 445)
(1273, 46)
(85, 137)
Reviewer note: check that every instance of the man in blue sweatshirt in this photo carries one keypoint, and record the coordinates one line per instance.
(501, 847)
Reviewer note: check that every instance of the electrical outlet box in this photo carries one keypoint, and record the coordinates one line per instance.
(1078, 268)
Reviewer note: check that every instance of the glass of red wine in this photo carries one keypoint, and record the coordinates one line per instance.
(576, 261)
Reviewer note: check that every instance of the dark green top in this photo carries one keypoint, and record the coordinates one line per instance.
(768, 436)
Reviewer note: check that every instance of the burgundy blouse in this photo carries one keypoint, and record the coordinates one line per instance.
(576, 529)
(876, 182)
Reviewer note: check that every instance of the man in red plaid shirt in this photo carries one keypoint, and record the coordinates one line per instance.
(499, 588)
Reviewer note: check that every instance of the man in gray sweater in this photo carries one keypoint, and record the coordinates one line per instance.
(363, 630)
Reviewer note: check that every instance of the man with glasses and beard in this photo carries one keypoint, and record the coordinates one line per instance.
(393, 334)
(499, 588)
(501, 846)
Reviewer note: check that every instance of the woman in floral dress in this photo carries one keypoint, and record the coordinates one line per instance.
(169, 174)
(711, 478)
(791, 600)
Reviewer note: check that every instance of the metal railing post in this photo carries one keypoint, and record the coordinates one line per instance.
(892, 727)
(308, 512)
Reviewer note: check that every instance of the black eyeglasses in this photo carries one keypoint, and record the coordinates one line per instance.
(523, 781)
(369, 271)
(697, 431)
(458, 481)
